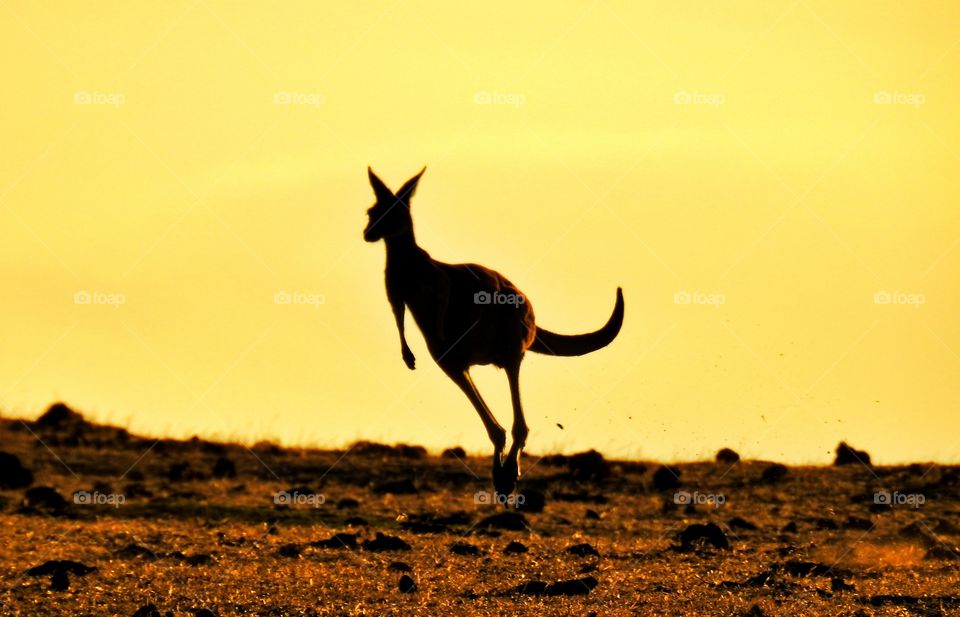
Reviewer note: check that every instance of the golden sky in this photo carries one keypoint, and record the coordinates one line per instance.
(774, 184)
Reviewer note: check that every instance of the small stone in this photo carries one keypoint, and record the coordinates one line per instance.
(147, 610)
(666, 478)
(464, 548)
(456, 453)
(741, 523)
(399, 566)
(515, 548)
(710, 532)
(347, 503)
(12, 472)
(289, 550)
(407, 584)
(583, 550)
(849, 456)
(385, 543)
(774, 473)
(727, 456)
(44, 499)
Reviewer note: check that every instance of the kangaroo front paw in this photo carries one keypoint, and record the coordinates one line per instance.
(409, 359)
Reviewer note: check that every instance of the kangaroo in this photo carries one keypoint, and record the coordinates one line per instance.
(468, 315)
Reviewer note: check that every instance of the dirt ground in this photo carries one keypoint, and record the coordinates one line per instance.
(101, 522)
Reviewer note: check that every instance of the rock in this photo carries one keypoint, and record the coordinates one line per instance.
(574, 587)
(790, 527)
(531, 588)
(592, 515)
(59, 570)
(666, 478)
(727, 456)
(464, 548)
(838, 584)
(44, 500)
(589, 465)
(515, 548)
(224, 468)
(404, 450)
(147, 610)
(12, 472)
(355, 521)
(199, 559)
(583, 550)
(849, 456)
(347, 503)
(511, 521)
(338, 540)
(380, 450)
(944, 552)
(533, 501)
(456, 453)
(711, 533)
(554, 460)
(385, 543)
(289, 550)
(59, 416)
(396, 487)
(774, 473)
(407, 584)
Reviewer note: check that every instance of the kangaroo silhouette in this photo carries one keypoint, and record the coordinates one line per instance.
(468, 315)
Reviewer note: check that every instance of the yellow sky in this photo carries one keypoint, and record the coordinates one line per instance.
(753, 174)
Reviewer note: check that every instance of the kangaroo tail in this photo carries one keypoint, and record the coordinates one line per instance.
(554, 344)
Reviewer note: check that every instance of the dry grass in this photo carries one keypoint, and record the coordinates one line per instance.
(896, 559)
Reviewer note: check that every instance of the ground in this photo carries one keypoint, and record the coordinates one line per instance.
(189, 526)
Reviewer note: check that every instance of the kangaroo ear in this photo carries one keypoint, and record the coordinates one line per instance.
(379, 188)
(409, 188)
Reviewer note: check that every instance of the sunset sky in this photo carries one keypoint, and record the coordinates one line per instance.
(774, 185)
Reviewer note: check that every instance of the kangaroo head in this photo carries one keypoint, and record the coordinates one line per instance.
(390, 215)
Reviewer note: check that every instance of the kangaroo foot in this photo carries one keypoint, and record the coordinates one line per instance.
(506, 474)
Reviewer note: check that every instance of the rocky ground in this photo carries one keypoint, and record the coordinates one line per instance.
(96, 521)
